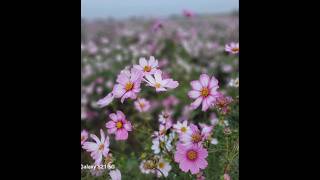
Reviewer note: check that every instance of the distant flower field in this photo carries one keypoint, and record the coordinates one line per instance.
(160, 98)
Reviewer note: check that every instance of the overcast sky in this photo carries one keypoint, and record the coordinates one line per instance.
(91, 9)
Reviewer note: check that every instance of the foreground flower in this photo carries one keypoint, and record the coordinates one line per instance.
(191, 158)
(142, 105)
(84, 136)
(98, 149)
(129, 84)
(181, 128)
(115, 174)
(159, 83)
(164, 167)
(147, 67)
(119, 125)
(106, 100)
(232, 48)
(204, 91)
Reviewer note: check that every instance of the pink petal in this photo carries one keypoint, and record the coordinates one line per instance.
(121, 134)
(120, 115)
(110, 124)
(194, 169)
(136, 75)
(157, 76)
(106, 100)
(194, 94)
(118, 90)
(138, 67)
(128, 126)
(112, 130)
(143, 62)
(213, 82)
(196, 103)
(122, 79)
(113, 117)
(196, 85)
(204, 80)
(95, 138)
(171, 84)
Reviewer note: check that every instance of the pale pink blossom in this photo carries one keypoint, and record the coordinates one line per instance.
(204, 91)
(147, 67)
(159, 83)
(142, 105)
(232, 48)
(129, 84)
(99, 148)
(119, 125)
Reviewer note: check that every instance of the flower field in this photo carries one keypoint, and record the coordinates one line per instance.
(160, 98)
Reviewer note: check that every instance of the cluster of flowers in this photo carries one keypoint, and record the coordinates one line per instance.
(129, 81)
(186, 138)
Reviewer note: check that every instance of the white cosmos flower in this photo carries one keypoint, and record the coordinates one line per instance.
(159, 83)
(164, 167)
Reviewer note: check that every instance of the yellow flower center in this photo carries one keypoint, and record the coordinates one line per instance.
(192, 155)
(196, 137)
(161, 165)
(183, 129)
(157, 85)
(101, 147)
(119, 124)
(235, 49)
(147, 68)
(204, 92)
(141, 105)
(129, 86)
(82, 138)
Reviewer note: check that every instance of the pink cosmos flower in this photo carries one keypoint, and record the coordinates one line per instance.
(206, 130)
(181, 128)
(193, 136)
(188, 13)
(232, 48)
(191, 158)
(142, 105)
(147, 67)
(98, 149)
(157, 25)
(119, 126)
(129, 84)
(84, 136)
(115, 174)
(223, 102)
(204, 91)
(159, 83)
